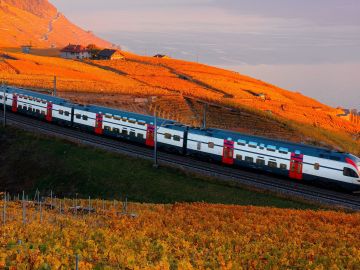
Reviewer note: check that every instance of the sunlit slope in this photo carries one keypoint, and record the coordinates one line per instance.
(250, 105)
(37, 22)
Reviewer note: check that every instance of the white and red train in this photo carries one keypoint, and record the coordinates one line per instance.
(297, 161)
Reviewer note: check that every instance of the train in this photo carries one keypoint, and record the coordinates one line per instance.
(300, 162)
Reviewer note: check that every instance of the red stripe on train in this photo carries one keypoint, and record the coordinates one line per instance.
(49, 108)
(99, 124)
(14, 103)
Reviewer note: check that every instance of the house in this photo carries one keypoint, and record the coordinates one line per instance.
(75, 52)
(109, 54)
(161, 56)
(26, 49)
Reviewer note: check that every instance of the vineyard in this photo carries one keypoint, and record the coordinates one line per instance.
(98, 234)
(169, 84)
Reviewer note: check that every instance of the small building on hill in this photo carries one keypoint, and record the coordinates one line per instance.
(163, 56)
(26, 49)
(72, 51)
(109, 54)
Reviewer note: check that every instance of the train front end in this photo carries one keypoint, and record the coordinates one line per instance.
(354, 163)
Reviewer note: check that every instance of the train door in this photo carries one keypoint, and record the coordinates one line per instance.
(228, 152)
(14, 103)
(150, 135)
(99, 123)
(49, 108)
(296, 166)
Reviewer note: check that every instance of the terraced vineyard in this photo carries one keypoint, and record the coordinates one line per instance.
(174, 88)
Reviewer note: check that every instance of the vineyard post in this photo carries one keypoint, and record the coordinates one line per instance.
(204, 117)
(4, 210)
(155, 141)
(77, 262)
(40, 212)
(23, 208)
(54, 92)
(76, 204)
(51, 200)
(89, 205)
(4, 100)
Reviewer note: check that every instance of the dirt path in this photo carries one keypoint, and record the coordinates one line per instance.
(51, 26)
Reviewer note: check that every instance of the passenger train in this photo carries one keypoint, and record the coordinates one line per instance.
(297, 161)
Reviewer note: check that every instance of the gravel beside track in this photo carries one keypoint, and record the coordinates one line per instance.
(263, 182)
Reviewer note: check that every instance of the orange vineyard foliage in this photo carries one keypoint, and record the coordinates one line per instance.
(172, 82)
(180, 236)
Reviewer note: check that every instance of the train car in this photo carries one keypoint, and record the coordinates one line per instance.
(297, 161)
(41, 106)
(133, 127)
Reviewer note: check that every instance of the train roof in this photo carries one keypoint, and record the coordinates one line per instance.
(303, 148)
(52, 99)
(148, 119)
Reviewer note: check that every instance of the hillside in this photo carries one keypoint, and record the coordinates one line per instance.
(174, 89)
(38, 22)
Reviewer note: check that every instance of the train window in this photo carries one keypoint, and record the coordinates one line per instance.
(141, 123)
(283, 150)
(124, 119)
(241, 142)
(177, 138)
(317, 166)
(140, 136)
(124, 132)
(116, 130)
(43, 112)
(334, 158)
(117, 118)
(108, 116)
(85, 117)
(211, 145)
(61, 112)
(350, 173)
(252, 144)
(283, 167)
(260, 162)
(272, 164)
(262, 146)
(239, 157)
(67, 113)
(167, 136)
(78, 116)
(132, 133)
(249, 159)
(199, 146)
(37, 111)
(107, 128)
(271, 148)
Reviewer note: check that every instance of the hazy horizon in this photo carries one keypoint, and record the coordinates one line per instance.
(309, 47)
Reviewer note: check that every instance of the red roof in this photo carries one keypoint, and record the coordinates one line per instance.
(74, 49)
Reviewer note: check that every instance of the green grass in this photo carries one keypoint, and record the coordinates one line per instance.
(30, 162)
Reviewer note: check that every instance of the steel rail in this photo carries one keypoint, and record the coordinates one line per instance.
(263, 182)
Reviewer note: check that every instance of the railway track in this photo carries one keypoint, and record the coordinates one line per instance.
(262, 182)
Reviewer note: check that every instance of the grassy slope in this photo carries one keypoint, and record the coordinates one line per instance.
(30, 162)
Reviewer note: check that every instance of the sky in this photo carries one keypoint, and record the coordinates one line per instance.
(308, 46)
